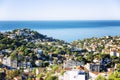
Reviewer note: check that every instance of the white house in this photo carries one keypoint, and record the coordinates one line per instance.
(38, 63)
(114, 53)
(75, 75)
(72, 64)
(12, 36)
(38, 51)
(93, 67)
(7, 61)
(118, 54)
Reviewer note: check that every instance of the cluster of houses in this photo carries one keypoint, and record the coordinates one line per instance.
(28, 33)
(19, 33)
(10, 63)
(74, 70)
(107, 45)
(80, 71)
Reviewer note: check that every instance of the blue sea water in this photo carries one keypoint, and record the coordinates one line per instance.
(67, 30)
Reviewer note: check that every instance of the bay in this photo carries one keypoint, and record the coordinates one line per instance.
(67, 30)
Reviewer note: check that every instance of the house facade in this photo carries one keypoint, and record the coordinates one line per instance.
(71, 64)
(114, 53)
(93, 67)
(8, 62)
(75, 75)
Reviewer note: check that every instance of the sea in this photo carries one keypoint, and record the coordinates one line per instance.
(67, 30)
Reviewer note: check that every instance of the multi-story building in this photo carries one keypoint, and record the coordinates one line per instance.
(75, 75)
(72, 64)
(8, 62)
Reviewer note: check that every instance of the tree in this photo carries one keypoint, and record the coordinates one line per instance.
(62, 72)
(118, 66)
(100, 78)
(10, 74)
(29, 79)
(55, 67)
(13, 55)
(39, 76)
(114, 76)
(79, 58)
(90, 57)
(45, 63)
(51, 78)
(22, 48)
(2, 46)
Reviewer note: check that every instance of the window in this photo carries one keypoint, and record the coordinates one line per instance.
(74, 76)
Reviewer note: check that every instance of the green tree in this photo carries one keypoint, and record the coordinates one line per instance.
(114, 76)
(45, 63)
(79, 58)
(90, 57)
(118, 66)
(13, 55)
(29, 79)
(100, 78)
(55, 67)
(62, 72)
(40, 76)
(52, 78)
(10, 74)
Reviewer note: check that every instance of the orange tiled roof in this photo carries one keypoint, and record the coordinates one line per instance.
(96, 73)
(68, 69)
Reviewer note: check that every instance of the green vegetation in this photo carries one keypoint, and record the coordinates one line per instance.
(52, 78)
(100, 78)
(24, 43)
(40, 51)
(114, 76)
(10, 74)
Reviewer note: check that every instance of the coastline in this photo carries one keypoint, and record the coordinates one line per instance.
(67, 30)
(71, 34)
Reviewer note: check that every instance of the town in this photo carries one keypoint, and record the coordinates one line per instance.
(28, 55)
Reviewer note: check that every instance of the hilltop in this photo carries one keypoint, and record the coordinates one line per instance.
(27, 34)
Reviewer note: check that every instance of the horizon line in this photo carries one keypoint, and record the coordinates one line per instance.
(67, 20)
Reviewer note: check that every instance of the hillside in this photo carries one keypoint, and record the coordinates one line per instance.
(25, 49)
(21, 43)
(100, 45)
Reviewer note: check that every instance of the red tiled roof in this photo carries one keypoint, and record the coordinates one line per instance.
(68, 69)
(96, 73)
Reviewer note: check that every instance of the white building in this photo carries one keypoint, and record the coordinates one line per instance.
(75, 75)
(12, 36)
(93, 67)
(7, 61)
(114, 53)
(118, 54)
(72, 63)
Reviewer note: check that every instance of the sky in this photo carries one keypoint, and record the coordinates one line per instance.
(59, 9)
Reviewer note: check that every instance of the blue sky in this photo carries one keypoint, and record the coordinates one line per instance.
(59, 9)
